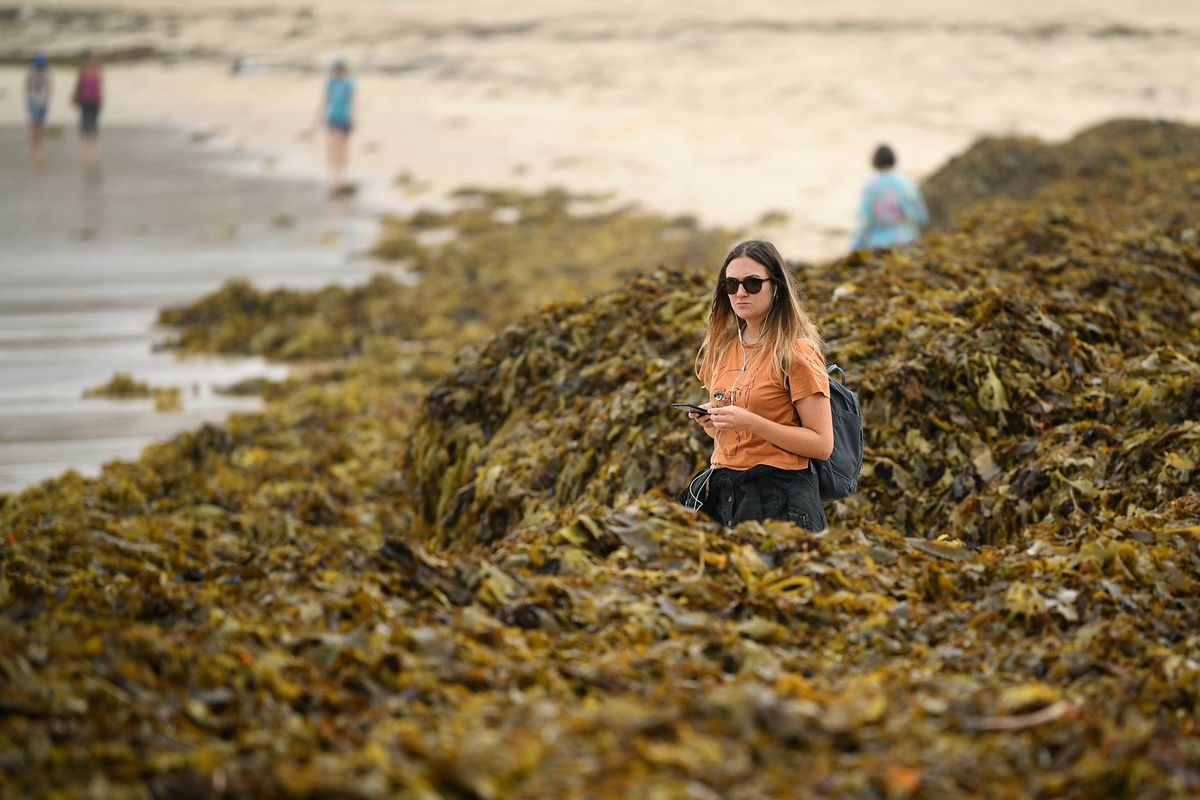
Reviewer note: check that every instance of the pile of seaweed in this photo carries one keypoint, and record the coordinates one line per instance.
(489, 592)
(123, 386)
(1019, 166)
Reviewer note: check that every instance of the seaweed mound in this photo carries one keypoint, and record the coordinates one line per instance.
(572, 406)
(1018, 166)
(989, 362)
(489, 592)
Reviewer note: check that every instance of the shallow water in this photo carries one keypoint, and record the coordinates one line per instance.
(88, 260)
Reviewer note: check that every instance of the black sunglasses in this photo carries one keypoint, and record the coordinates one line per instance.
(753, 284)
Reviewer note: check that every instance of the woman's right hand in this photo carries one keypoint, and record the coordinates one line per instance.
(704, 420)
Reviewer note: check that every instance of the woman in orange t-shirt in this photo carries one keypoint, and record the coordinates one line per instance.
(768, 408)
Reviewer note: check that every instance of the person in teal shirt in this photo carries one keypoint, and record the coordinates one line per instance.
(338, 112)
(38, 88)
(892, 211)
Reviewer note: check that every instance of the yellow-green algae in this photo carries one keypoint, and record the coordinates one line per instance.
(484, 593)
(1019, 166)
(123, 386)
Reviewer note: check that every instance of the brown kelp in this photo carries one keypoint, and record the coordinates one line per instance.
(1019, 166)
(399, 581)
(123, 386)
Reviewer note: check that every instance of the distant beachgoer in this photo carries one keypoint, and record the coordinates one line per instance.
(768, 411)
(337, 110)
(892, 211)
(38, 88)
(88, 96)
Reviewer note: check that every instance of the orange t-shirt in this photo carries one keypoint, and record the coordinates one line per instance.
(761, 389)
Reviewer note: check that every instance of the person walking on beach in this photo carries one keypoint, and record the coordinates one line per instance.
(892, 211)
(38, 89)
(337, 110)
(88, 97)
(768, 411)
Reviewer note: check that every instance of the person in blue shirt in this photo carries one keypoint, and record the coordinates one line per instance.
(337, 109)
(892, 211)
(38, 88)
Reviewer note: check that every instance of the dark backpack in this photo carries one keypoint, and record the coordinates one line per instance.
(837, 475)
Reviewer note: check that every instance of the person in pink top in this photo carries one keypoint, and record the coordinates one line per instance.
(88, 97)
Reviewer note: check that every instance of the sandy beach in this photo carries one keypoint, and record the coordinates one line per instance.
(723, 111)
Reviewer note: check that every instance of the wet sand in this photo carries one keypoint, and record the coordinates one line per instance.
(88, 261)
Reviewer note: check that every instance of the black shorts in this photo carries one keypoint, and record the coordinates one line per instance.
(89, 119)
(733, 496)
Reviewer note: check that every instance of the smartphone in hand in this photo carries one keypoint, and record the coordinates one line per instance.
(691, 407)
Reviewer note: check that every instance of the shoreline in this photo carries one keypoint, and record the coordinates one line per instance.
(90, 262)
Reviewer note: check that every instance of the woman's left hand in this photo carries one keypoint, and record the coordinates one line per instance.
(732, 418)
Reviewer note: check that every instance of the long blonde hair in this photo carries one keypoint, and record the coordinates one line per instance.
(786, 320)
